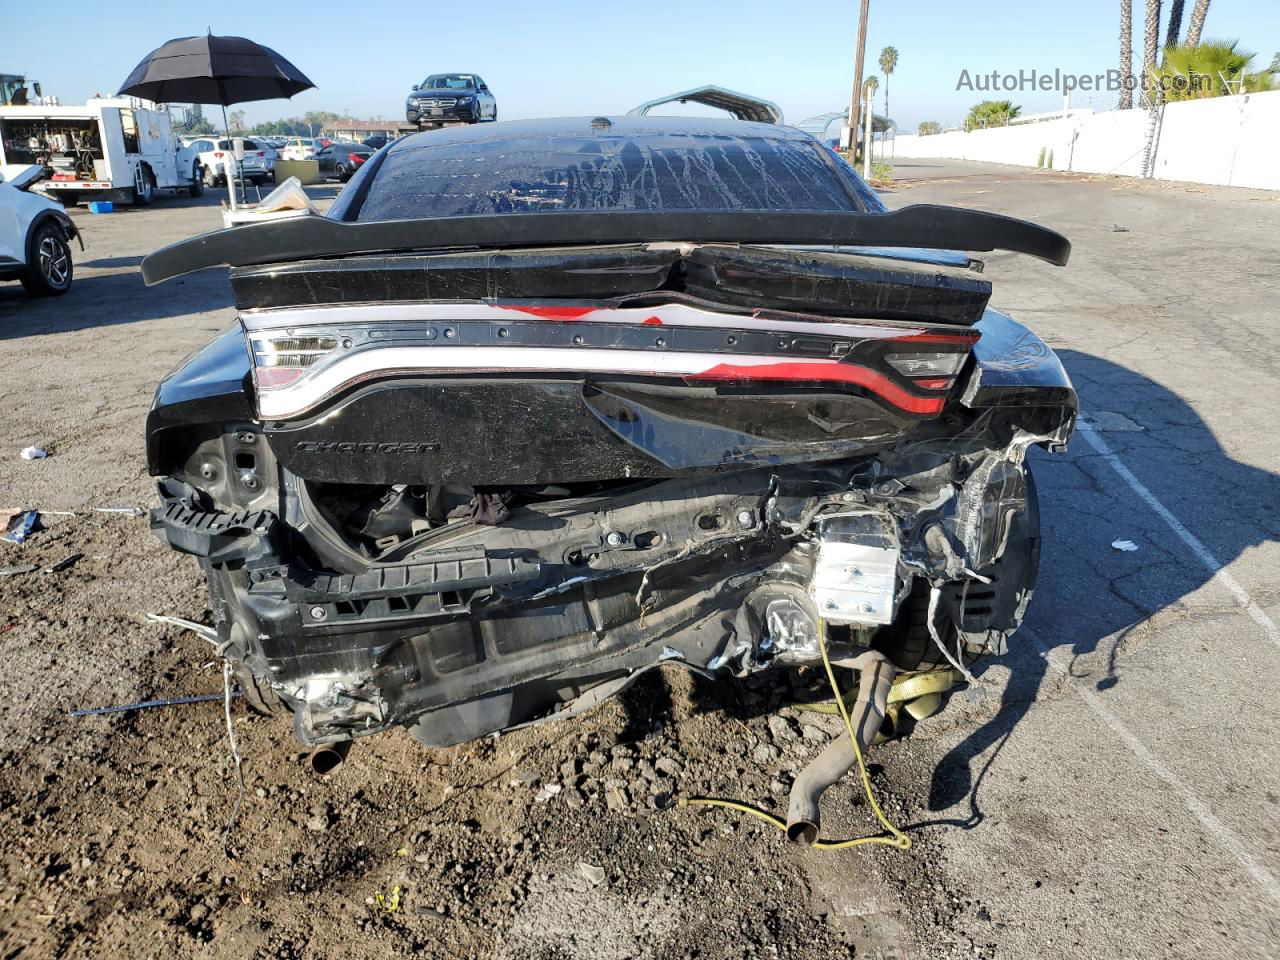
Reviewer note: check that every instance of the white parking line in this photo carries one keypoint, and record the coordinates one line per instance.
(1236, 846)
(1225, 835)
(1215, 566)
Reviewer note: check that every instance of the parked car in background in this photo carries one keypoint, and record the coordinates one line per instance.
(447, 98)
(300, 148)
(35, 235)
(341, 160)
(493, 438)
(216, 157)
(376, 142)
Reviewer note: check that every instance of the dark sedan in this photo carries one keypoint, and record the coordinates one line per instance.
(450, 98)
(341, 160)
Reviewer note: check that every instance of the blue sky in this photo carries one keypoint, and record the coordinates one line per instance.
(574, 57)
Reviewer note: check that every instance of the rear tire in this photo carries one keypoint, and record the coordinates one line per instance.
(197, 181)
(144, 189)
(49, 272)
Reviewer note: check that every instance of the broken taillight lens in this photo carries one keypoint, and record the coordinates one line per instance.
(279, 361)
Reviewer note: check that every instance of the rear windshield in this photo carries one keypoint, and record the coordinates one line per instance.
(661, 172)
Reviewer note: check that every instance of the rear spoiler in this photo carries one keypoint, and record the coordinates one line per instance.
(311, 238)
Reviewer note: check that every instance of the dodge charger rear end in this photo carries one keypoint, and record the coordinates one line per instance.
(537, 407)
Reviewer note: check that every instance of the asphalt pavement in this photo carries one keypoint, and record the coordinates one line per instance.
(1113, 789)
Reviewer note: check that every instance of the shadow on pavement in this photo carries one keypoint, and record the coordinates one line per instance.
(1091, 594)
(109, 299)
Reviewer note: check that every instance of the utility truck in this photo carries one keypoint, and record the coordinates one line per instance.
(108, 149)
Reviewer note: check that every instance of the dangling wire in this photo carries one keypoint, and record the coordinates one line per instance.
(896, 837)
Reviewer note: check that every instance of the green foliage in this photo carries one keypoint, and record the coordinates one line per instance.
(928, 128)
(1040, 159)
(1193, 73)
(194, 123)
(881, 172)
(990, 113)
(870, 86)
(1049, 162)
(310, 124)
(888, 60)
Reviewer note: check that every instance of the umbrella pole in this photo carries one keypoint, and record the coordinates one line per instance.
(228, 167)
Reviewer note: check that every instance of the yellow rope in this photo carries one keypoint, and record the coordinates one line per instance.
(896, 838)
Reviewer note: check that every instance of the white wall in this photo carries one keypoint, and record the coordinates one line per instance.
(1234, 141)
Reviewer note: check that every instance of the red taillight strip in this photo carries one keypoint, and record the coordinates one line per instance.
(877, 383)
(936, 383)
(966, 339)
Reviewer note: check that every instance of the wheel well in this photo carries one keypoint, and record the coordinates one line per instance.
(45, 216)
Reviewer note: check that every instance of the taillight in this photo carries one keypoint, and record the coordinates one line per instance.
(218, 154)
(259, 154)
(931, 361)
(926, 364)
(280, 360)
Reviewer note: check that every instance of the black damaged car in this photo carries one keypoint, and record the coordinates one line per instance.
(490, 440)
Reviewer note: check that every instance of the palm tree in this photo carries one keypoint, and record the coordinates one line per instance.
(888, 60)
(1126, 53)
(991, 113)
(1196, 26)
(1151, 38)
(1175, 23)
(1207, 64)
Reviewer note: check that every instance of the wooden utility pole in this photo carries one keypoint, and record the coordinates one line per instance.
(855, 101)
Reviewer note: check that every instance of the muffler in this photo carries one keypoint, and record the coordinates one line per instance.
(867, 715)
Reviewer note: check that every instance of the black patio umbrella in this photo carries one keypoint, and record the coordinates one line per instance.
(209, 69)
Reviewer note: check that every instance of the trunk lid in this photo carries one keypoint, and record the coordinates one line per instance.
(562, 365)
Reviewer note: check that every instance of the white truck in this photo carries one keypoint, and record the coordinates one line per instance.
(108, 149)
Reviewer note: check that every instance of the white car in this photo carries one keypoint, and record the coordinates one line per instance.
(35, 234)
(300, 148)
(217, 156)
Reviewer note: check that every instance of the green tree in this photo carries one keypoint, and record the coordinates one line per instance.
(236, 121)
(1175, 23)
(928, 128)
(1193, 73)
(990, 113)
(194, 122)
(1196, 26)
(888, 61)
(1126, 53)
(1151, 37)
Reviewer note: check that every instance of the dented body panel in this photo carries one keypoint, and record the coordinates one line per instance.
(464, 490)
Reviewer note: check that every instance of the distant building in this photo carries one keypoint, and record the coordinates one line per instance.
(357, 130)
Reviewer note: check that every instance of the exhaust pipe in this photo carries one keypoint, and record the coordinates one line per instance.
(328, 758)
(875, 678)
